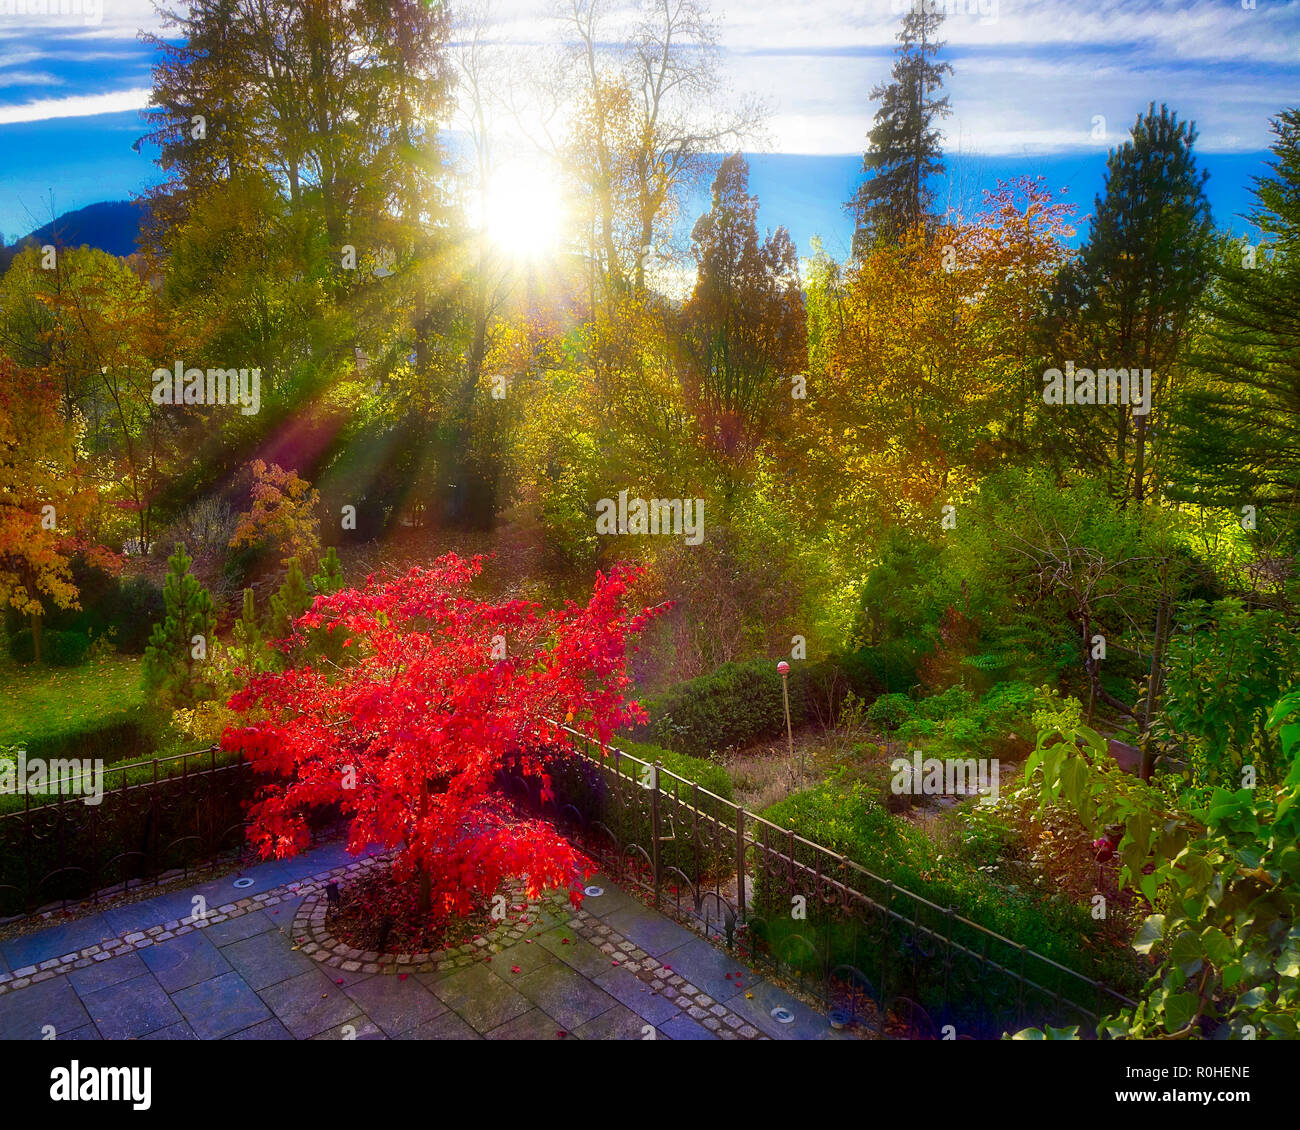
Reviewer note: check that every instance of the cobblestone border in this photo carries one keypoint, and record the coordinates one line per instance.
(139, 939)
(312, 935)
(311, 932)
(672, 986)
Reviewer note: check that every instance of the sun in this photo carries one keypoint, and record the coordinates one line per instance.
(524, 211)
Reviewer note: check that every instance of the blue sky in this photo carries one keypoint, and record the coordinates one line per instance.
(1031, 80)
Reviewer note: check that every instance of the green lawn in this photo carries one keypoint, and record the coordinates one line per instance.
(43, 702)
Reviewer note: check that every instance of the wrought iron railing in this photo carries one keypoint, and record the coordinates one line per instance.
(889, 961)
(181, 813)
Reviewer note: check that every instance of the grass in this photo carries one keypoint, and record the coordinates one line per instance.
(44, 702)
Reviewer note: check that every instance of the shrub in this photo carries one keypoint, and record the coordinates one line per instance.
(740, 704)
(579, 783)
(22, 648)
(62, 649)
(66, 649)
(139, 605)
(174, 663)
(121, 736)
(853, 823)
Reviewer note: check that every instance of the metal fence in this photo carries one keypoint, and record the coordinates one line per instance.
(180, 814)
(885, 959)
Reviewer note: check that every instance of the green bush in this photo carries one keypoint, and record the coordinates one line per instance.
(624, 807)
(21, 646)
(66, 649)
(741, 703)
(60, 649)
(853, 823)
(122, 736)
(955, 721)
(707, 774)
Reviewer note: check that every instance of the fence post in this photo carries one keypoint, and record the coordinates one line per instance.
(654, 830)
(740, 862)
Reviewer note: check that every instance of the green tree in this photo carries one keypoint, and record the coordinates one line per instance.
(1128, 301)
(250, 644)
(744, 324)
(289, 603)
(1224, 675)
(175, 659)
(905, 151)
(1235, 434)
(330, 576)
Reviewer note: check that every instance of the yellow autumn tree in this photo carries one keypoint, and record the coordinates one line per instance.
(45, 502)
(284, 514)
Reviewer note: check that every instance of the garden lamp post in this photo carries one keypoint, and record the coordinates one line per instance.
(784, 669)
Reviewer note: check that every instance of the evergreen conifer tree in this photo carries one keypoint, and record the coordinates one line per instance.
(176, 655)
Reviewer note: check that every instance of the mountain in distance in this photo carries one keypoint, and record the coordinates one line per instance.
(111, 225)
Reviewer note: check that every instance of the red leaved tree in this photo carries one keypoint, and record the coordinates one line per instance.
(408, 734)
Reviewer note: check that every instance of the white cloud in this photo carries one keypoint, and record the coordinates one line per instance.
(29, 78)
(78, 106)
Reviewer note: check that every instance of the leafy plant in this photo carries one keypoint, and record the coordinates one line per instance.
(1223, 867)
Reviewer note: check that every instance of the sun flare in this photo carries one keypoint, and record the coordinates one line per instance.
(524, 210)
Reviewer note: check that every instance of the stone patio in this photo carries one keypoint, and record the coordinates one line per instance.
(252, 970)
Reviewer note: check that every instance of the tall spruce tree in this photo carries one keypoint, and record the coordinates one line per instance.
(1129, 299)
(176, 655)
(1236, 432)
(904, 148)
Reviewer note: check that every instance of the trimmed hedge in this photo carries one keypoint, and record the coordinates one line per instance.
(125, 736)
(61, 649)
(741, 703)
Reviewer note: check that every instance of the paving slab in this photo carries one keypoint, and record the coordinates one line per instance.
(310, 1003)
(24, 1015)
(611, 902)
(706, 967)
(237, 929)
(684, 1028)
(577, 952)
(808, 1024)
(104, 973)
(358, 1028)
(633, 993)
(480, 997)
(265, 959)
(264, 876)
(448, 1026)
(174, 906)
(565, 994)
(267, 1030)
(531, 1025)
(650, 930)
(221, 1006)
(395, 1005)
(131, 1009)
(527, 956)
(55, 941)
(617, 1023)
(181, 962)
(178, 1031)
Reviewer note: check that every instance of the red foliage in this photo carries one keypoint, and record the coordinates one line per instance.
(408, 735)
